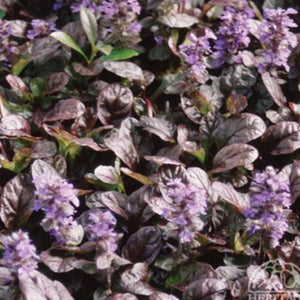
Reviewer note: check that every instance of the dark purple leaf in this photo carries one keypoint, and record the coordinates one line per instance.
(15, 126)
(295, 180)
(16, 201)
(123, 148)
(148, 77)
(242, 129)
(178, 20)
(59, 133)
(279, 115)
(236, 103)
(37, 48)
(234, 3)
(55, 82)
(199, 178)
(96, 87)
(295, 108)
(137, 208)
(119, 296)
(56, 263)
(38, 286)
(43, 149)
(189, 272)
(209, 123)
(83, 124)
(115, 201)
(230, 273)
(134, 280)
(65, 110)
(114, 103)
(75, 30)
(163, 128)
(162, 296)
(284, 137)
(6, 277)
(94, 69)
(137, 176)
(107, 174)
(234, 155)
(40, 168)
(144, 245)
(124, 69)
(228, 193)
(162, 160)
(208, 288)
(170, 172)
(17, 83)
(195, 105)
(290, 251)
(274, 89)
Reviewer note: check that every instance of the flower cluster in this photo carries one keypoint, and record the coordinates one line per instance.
(276, 39)
(91, 5)
(193, 53)
(100, 229)
(233, 33)
(57, 199)
(40, 28)
(119, 18)
(19, 255)
(269, 196)
(187, 203)
(7, 47)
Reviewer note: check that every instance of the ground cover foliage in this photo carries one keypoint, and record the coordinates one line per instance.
(149, 149)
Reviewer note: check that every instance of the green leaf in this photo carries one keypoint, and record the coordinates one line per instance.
(19, 162)
(89, 24)
(120, 54)
(2, 14)
(37, 86)
(104, 48)
(19, 66)
(67, 40)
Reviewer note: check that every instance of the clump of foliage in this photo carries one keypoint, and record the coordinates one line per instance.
(149, 149)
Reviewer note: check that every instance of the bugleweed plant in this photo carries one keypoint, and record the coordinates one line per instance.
(149, 149)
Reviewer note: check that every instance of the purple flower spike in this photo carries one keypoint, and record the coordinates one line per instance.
(269, 195)
(7, 47)
(233, 33)
(187, 204)
(193, 53)
(19, 255)
(100, 229)
(57, 199)
(40, 28)
(276, 38)
(89, 4)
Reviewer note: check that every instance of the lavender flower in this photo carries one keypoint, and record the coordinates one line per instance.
(19, 255)
(100, 229)
(187, 202)
(57, 199)
(89, 4)
(276, 38)
(119, 18)
(109, 9)
(7, 47)
(40, 28)
(269, 196)
(233, 33)
(193, 53)
(58, 5)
